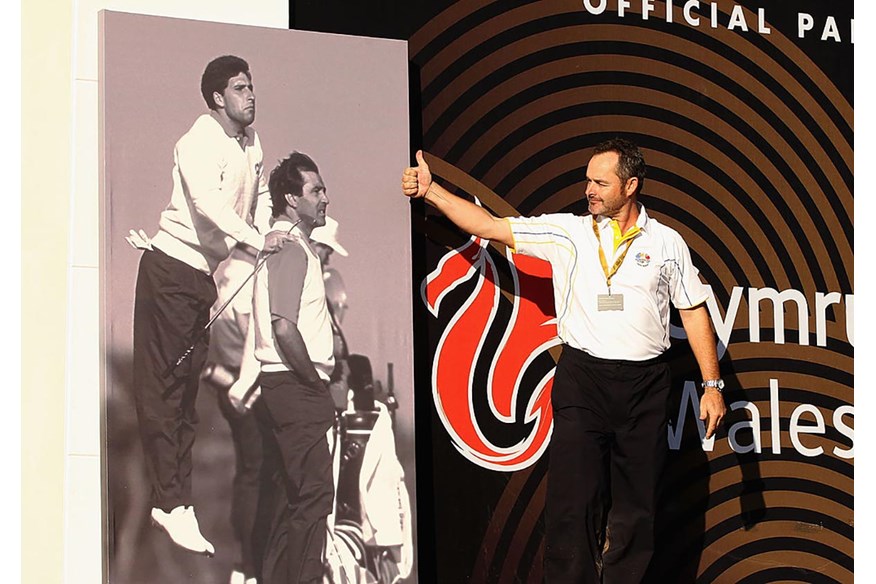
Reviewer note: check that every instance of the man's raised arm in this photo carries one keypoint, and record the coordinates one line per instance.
(417, 184)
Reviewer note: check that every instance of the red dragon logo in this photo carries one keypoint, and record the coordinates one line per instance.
(530, 331)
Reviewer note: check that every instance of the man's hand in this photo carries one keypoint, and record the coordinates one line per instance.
(241, 398)
(275, 240)
(138, 239)
(320, 385)
(417, 180)
(712, 410)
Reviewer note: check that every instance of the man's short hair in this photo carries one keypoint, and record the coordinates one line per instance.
(217, 74)
(286, 178)
(631, 162)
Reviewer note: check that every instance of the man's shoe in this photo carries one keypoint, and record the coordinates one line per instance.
(238, 577)
(182, 527)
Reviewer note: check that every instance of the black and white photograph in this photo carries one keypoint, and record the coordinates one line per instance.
(256, 310)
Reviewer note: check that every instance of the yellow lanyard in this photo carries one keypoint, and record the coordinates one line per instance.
(604, 262)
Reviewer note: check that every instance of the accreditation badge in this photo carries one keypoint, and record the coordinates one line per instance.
(605, 302)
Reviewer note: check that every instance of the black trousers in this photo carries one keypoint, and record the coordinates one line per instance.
(607, 453)
(297, 484)
(171, 307)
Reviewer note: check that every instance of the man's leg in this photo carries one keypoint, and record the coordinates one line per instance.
(172, 304)
(578, 451)
(300, 418)
(188, 421)
(171, 307)
(636, 466)
(272, 512)
(307, 520)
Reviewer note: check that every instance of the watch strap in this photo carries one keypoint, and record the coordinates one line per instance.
(713, 383)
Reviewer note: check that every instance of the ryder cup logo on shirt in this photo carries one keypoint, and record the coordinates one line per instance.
(643, 259)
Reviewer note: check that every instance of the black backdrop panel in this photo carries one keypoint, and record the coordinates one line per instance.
(745, 114)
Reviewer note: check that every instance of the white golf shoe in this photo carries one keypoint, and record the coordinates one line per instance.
(182, 527)
(240, 578)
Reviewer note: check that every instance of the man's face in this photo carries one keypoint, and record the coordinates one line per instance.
(313, 200)
(238, 100)
(606, 193)
(323, 251)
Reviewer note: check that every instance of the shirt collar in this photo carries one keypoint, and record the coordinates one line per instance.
(285, 225)
(642, 221)
(244, 140)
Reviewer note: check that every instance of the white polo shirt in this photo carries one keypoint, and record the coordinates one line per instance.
(657, 270)
(216, 185)
(290, 286)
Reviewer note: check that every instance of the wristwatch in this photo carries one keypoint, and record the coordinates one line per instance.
(715, 383)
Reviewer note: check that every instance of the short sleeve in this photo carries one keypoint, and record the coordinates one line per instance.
(286, 271)
(686, 289)
(546, 237)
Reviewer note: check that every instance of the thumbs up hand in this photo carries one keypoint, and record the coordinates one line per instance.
(416, 180)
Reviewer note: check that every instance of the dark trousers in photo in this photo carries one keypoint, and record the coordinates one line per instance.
(171, 307)
(297, 483)
(607, 453)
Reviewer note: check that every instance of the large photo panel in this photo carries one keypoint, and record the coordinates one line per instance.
(342, 101)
